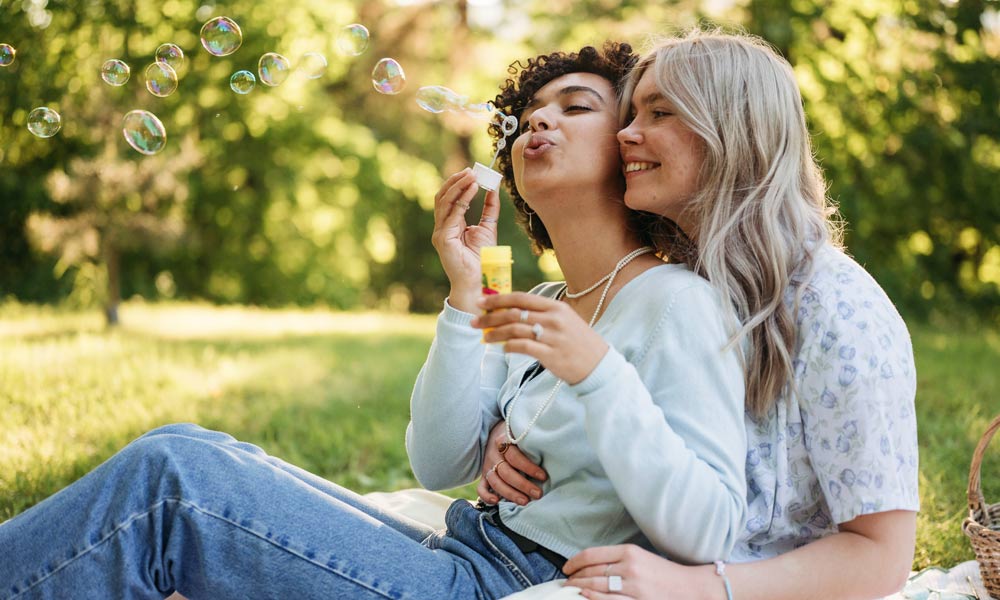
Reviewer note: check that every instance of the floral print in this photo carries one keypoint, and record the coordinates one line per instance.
(842, 442)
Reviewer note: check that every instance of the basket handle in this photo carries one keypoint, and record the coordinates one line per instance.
(976, 499)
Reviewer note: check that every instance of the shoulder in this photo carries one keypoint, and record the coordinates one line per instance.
(852, 343)
(672, 287)
(840, 300)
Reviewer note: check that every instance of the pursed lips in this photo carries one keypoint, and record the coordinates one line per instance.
(537, 145)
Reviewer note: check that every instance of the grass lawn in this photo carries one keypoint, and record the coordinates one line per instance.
(330, 392)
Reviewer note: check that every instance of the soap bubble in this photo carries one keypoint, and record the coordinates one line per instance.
(44, 122)
(273, 69)
(353, 39)
(161, 79)
(170, 54)
(221, 36)
(144, 132)
(242, 82)
(484, 111)
(115, 72)
(388, 77)
(437, 99)
(7, 54)
(313, 64)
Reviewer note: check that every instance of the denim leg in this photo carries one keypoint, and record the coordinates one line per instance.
(179, 510)
(415, 530)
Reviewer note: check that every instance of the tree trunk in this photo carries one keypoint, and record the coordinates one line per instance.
(112, 259)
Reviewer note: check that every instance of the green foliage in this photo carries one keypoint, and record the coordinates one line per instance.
(904, 100)
(319, 192)
(74, 394)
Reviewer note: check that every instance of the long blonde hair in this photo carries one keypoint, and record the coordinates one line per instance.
(761, 206)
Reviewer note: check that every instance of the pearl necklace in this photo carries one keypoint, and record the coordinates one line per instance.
(610, 278)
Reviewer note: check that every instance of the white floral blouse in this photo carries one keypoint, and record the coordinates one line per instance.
(844, 443)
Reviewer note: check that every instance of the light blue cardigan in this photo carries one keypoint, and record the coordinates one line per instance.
(649, 449)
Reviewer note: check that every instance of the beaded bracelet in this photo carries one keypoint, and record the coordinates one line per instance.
(720, 570)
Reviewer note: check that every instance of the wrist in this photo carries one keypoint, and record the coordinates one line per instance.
(710, 585)
(465, 299)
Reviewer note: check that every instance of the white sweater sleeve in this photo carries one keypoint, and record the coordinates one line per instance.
(453, 405)
(675, 448)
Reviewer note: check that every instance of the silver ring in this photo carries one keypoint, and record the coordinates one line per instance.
(463, 205)
(524, 316)
(607, 570)
(488, 220)
(614, 583)
(537, 330)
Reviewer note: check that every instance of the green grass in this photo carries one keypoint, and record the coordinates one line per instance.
(330, 392)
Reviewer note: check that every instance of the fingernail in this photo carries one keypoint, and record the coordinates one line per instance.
(540, 475)
(536, 494)
(522, 501)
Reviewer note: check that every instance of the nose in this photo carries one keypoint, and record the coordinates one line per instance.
(629, 135)
(540, 119)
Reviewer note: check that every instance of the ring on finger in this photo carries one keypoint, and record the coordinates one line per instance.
(497, 466)
(488, 220)
(537, 330)
(463, 205)
(614, 583)
(607, 570)
(524, 316)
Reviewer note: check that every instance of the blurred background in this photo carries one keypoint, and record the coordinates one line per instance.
(319, 192)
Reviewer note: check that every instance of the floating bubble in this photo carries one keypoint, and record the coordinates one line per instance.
(242, 82)
(388, 77)
(170, 54)
(44, 122)
(7, 54)
(144, 132)
(273, 69)
(313, 64)
(115, 72)
(221, 36)
(484, 111)
(437, 99)
(353, 39)
(161, 79)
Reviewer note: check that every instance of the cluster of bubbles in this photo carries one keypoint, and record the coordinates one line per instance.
(222, 36)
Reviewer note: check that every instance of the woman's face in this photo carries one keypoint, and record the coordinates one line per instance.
(567, 139)
(660, 156)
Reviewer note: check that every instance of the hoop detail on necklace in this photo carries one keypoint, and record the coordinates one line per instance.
(513, 440)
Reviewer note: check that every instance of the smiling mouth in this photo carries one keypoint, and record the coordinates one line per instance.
(634, 167)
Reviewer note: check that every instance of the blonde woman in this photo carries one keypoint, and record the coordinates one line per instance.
(715, 140)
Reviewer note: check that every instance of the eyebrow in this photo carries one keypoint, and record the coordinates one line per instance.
(651, 98)
(566, 91)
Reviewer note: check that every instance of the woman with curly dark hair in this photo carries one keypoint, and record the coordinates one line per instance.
(624, 362)
(195, 511)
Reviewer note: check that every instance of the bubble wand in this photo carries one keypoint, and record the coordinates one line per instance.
(486, 177)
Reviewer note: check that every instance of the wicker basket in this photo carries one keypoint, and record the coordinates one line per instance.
(983, 523)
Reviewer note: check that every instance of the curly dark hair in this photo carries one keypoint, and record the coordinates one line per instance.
(613, 63)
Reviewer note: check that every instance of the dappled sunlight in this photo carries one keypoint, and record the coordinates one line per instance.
(192, 321)
(322, 389)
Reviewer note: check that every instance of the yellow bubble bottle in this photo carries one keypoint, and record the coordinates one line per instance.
(495, 263)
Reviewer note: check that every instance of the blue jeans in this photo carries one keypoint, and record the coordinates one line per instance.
(195, 511)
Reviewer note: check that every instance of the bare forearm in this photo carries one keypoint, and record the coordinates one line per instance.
(843, 566)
